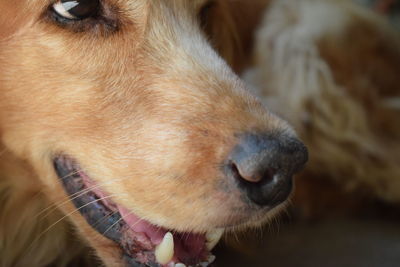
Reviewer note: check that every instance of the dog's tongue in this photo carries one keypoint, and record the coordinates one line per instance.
(154, 233)
(188, 247)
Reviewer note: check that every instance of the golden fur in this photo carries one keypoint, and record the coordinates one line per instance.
(141, 99)
(59, 92)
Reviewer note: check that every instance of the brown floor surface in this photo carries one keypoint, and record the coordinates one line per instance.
(342, 243)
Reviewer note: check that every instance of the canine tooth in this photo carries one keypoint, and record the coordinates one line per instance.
(213, 238)
(165, 250)
(180, 265)
(211, 259)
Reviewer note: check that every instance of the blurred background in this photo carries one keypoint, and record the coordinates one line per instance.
(328, 224)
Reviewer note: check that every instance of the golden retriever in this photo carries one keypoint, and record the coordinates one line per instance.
(121, 122)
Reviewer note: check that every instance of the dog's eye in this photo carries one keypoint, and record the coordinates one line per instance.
(76, 9)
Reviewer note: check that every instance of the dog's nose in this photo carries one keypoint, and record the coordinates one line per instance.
(263, 166)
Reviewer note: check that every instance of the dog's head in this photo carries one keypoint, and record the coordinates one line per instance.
(125, 106)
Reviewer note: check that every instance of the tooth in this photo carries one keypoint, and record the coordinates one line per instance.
(180, 265)
(211, 259)
(213, 237)
(165, 250)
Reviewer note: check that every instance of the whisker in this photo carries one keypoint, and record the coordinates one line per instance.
(104, 218)
(140, 219)
(76, 195)
(119, 220)
(55, 204)
(114, 224)
(64, 217)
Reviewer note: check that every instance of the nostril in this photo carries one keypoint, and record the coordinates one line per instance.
(241, 175)
(262, 167)
(255, 177)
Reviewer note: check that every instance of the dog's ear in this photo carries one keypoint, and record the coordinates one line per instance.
(231, 28)
(13, 14)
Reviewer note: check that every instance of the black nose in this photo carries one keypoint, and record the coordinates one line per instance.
(263, 166)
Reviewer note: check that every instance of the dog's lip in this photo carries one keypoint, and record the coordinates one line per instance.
(136, 237)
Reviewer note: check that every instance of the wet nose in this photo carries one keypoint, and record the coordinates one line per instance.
(263, 166)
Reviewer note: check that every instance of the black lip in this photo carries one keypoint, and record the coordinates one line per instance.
(105, 221)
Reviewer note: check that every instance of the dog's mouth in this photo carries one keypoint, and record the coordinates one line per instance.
(142, 243)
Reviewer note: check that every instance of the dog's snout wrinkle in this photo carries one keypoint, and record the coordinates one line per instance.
(263, 166)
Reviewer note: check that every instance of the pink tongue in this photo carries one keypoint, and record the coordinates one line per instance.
(156, 234)
(188, 247)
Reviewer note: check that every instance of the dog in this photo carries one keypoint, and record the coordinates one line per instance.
(331, 69)
(123, 125)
